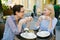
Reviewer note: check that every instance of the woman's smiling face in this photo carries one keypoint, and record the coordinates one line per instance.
(46, 12)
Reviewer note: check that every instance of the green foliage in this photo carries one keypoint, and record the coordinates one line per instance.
(4, 7)
(57, 7)
(6, 0)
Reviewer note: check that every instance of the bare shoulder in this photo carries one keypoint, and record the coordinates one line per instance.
(55, 19)
(42, 16)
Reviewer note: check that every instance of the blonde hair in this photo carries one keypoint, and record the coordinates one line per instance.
(51, 8)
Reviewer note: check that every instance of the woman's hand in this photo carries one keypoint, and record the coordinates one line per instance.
(22, 21)
(26, 20)
(29, 19)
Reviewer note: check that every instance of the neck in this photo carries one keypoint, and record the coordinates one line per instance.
(47, 15)
(16, 17)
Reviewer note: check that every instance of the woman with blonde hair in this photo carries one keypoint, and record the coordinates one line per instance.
(47, 21)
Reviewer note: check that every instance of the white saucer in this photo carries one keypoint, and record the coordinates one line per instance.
(28, 35)
(43, 34)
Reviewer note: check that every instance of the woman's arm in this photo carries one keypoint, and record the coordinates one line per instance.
(50, 21)
(52, 24)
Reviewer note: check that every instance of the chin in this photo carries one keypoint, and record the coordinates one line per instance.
(21, 17)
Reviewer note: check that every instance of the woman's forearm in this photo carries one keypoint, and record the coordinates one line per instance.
(28, 25)
(50, 25)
